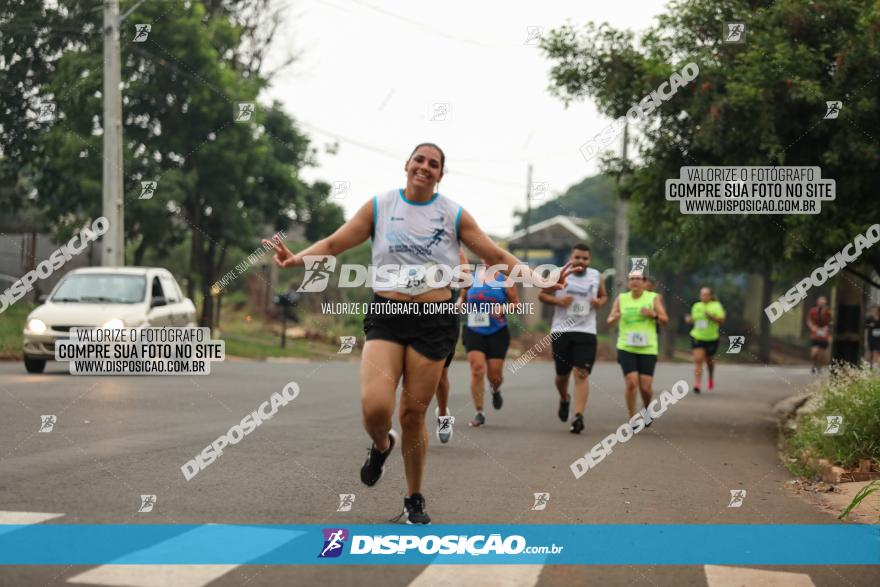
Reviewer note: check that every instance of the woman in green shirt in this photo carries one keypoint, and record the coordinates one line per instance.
(639, 311)
(706, 316)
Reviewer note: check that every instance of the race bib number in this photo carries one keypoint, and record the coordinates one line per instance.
(875, 333)
(701, 324)
(412, 281)
(823, 331)
(478, 319)
(579, 308)
(636, 339)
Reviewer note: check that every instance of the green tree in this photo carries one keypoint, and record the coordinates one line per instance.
(760, 103)
(221, 184)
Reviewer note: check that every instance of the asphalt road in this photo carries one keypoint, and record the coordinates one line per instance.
(117, 438)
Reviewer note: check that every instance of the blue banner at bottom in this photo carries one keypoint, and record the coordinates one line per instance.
(628, 544)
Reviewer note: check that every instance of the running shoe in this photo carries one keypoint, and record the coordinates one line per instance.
(414, 510)
(577, 425)
(648, 419)
(478, 420)
(563, 409)
(374, 466)
(444, 426)
(696, 390)
(711, 384)
(497, 400)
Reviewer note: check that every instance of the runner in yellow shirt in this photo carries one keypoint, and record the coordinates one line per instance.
(706, 316)
(639, 311)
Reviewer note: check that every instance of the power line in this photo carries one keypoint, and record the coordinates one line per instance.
(397, 155)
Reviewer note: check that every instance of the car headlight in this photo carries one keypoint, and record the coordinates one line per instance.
(114, 323)
(36, 326)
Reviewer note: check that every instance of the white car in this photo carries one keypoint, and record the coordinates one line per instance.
(112, 297)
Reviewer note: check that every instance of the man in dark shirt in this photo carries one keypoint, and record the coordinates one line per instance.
(819, 321)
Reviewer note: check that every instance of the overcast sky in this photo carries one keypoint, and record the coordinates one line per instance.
(370, 73)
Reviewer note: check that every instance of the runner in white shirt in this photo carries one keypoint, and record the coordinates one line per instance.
(573, 331)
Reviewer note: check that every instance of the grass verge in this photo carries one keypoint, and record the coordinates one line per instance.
(853, 395)
(11, 325)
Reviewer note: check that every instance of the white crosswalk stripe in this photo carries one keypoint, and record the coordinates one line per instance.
(149, 575)
(721, 576)
(483, 575)
(26, 517)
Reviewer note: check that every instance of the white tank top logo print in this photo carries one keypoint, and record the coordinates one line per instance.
(580, 316)
(415, 237)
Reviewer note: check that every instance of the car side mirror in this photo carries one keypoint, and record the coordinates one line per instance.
(158, 301)
(41, 299)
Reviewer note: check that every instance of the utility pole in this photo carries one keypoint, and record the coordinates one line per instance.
(113, 243)
(621, 223)
(527, 240)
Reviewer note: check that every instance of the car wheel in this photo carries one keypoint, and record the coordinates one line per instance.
(34, 365)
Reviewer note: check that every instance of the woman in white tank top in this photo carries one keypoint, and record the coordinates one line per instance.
(413, 227)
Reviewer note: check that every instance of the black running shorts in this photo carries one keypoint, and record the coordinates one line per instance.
(494, 345)
(454, 344)
(574, 349)
(430, 333)
(711, 346)
(634, 362)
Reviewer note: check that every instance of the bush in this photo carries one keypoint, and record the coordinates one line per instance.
(853, 392)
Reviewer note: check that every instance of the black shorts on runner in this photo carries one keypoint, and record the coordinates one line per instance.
(455, 344)
(822, 344)
(711, 346)
(494, 345)
(873, 344)
(432, 335)
(630, 362)
(574, 349)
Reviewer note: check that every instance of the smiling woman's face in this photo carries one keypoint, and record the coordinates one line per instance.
(424, 169)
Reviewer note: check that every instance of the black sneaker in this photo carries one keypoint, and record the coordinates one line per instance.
(696, 390)
(374, 466)
(414, 509)
(563, 409)
(577, 425)
(478, 420)
(497, 400)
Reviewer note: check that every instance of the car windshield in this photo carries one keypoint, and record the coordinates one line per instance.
(101, 288)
